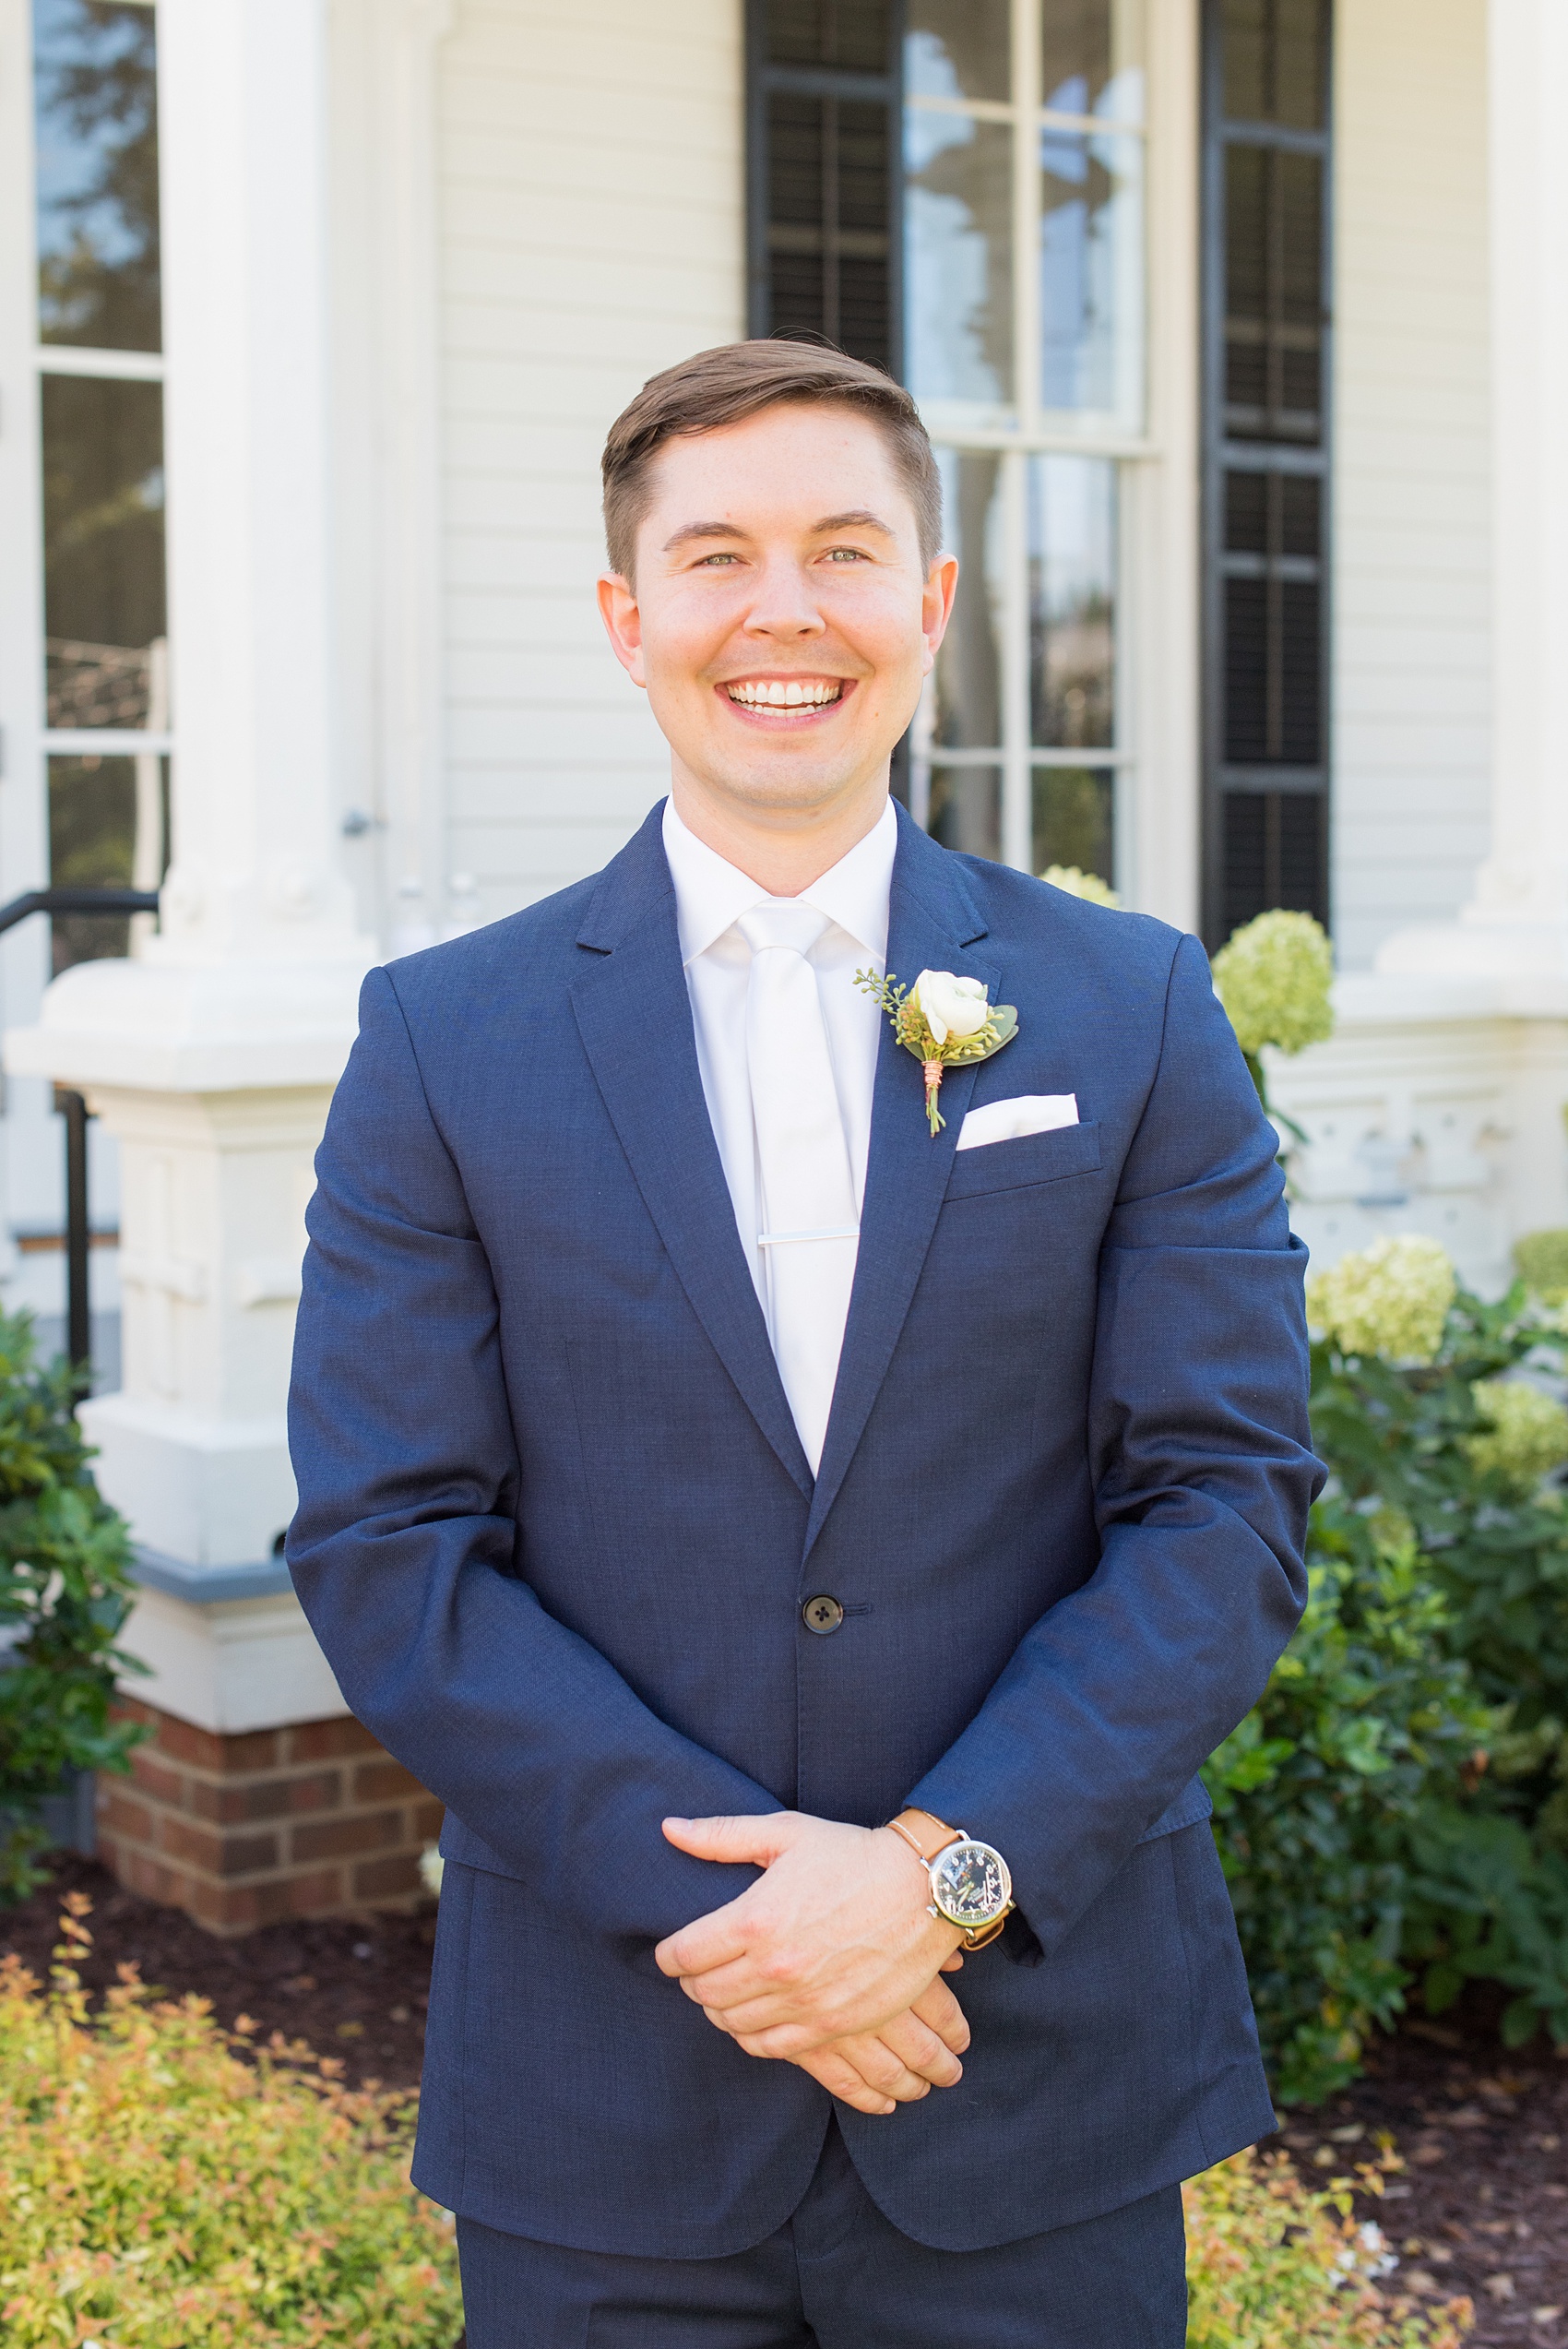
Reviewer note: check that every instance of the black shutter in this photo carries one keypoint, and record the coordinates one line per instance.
(1266, 255)
(824, 156)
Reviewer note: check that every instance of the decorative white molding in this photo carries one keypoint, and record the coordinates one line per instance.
(230, 1664)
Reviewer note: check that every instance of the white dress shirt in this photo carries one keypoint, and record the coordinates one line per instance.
(711, 897)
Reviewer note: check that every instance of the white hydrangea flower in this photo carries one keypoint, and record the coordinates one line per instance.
(1391, 1299)
(1274, 979)
(432, 1867)
(1077, 883)
(1524, 1433)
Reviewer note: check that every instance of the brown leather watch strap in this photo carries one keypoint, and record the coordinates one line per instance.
(925, 1835)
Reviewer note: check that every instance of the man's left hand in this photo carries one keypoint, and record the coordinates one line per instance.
(835, 1940)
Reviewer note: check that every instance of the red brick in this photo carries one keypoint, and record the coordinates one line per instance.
(427, 1818)
(320, 1894)
(132, 1708)
(231, 1801)
(395, 1878)
(336, 1839)
(312, 1741)
(159, 1779)
(121, 1816)
(181, 1840)
(384, 1781)
(154, 1881)
(182, 1740)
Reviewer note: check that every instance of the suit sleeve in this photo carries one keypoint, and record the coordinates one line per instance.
(403, 1547)
(1199, 1452)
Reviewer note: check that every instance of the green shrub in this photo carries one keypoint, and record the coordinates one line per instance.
(1395, 1808)
(157, 2192)
(1317, 1793)
(64, 1592)
(1274, 2265)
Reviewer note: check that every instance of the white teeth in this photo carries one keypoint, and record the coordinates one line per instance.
(774, 694)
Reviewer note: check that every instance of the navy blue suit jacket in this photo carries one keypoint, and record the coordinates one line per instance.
(555, 1531)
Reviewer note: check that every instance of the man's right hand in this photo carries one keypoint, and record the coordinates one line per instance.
(918, 2051)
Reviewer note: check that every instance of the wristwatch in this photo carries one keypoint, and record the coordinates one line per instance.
(970, 1882)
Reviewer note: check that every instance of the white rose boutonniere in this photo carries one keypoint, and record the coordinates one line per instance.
(942, 1018)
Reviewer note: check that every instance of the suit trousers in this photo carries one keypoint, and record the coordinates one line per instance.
(838, 2275)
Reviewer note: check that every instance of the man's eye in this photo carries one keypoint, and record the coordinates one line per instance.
(706, 559)
(844, 555)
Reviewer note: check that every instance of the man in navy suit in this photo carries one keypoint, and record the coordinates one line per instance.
(809, 1548)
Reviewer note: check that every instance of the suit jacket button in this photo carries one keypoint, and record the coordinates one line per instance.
(822, 1614)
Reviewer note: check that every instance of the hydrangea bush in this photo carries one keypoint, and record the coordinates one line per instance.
(1390, 1300)
(158, 2191)
(1077, 883)
(1274, 978)
(1393, 1814)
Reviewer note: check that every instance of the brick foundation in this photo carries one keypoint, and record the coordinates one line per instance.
(315, 1820)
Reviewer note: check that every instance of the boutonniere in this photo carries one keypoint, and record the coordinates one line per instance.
(943, 1019)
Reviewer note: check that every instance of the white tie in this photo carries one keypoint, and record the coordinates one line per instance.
(810, 1228)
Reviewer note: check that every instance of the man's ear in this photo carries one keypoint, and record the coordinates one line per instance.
(623, 623)
(936, 604)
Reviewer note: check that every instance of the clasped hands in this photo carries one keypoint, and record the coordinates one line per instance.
(832, 1960)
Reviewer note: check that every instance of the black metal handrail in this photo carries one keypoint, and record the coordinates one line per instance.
(73, 1108)
(121, 901)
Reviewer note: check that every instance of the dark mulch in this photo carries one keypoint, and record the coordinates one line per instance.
(354, 1987)
(1480, 2207)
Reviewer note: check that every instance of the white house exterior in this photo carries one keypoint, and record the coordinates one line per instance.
(1245, 637)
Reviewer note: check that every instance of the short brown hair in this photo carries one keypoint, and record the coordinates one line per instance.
(736, 379)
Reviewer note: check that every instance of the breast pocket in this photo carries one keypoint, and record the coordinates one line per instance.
(1028, 1160)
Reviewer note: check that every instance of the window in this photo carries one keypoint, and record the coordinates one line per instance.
(1267, 252)
(1018, 279)
(823, 156)
(101, 432)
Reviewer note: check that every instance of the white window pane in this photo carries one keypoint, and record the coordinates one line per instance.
(966, 810)
(1091, 276)
(969, 667)
(1091, 58)
(97, 161)
(957, 49)
(958, 262)
(1072, 543)
(1073, 813)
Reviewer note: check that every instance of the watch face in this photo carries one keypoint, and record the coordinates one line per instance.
(971, 1885)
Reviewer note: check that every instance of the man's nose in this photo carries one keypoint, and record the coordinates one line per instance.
(783, 604)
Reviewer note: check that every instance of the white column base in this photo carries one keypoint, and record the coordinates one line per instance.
(230, 1664)
(210, 1492)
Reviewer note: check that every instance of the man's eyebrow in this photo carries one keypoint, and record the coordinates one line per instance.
(702, 530)
(858, 517)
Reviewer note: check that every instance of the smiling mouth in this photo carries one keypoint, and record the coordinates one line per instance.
(785, 694)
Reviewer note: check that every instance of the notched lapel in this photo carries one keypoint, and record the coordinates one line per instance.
(932, 925)
(635, 1018)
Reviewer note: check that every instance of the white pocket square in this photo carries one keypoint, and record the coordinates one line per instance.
(1008, 1121)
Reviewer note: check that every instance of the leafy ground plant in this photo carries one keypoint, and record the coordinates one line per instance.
(1395, 1811)
(1272, 2264)
(64, 1592)
(158, 2190)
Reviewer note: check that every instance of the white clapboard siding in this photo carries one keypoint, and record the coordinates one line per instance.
(1411, 573)
(591, 232)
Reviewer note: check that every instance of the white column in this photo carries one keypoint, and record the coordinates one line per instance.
(1516, 924)
(212, 1053)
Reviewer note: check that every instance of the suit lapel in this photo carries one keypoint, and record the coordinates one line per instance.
(634, 1017)
(932, 923)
